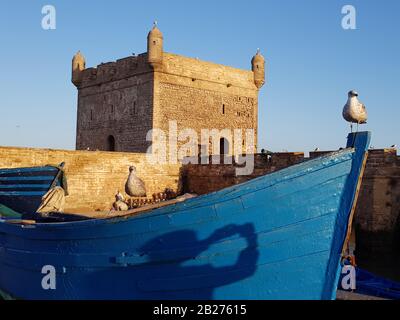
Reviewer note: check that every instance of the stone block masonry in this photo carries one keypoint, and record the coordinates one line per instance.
(94, 176)
(377, 218)
(205, 178)
(115, 106)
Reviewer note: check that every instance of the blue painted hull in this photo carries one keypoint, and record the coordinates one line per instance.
(371, 284)
(279, 236)
(22, 189)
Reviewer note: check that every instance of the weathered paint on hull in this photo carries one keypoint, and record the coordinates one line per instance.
(279, 236)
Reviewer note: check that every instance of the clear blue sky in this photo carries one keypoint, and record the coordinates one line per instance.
(311, 62)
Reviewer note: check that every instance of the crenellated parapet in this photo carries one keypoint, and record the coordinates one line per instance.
(152, 60)
(113, 71)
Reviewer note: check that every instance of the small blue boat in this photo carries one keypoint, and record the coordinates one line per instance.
(279, 236)
(370, 284)
(22, 189)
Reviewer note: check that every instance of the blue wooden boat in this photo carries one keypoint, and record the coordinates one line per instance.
(22, 189)
(371, 284)
(279, 236)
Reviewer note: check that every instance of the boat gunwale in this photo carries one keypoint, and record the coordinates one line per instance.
(357, 172)
(28, 169)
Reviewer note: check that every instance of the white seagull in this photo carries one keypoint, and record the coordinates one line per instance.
(135, 186)
(354, 111)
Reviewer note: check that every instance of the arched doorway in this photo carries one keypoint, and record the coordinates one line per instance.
(223, 146)
(110, 143)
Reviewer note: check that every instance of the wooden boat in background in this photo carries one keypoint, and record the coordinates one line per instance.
(373, 285)
(279, 236)
(22, 189)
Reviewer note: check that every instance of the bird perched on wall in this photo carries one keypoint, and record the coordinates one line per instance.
(119, 196)
(394, 146)
(354, 111)
(134, 186)
(119, 204)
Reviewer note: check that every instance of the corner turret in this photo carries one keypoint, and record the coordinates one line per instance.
(155, 47)
(78, 65)
(258, 67)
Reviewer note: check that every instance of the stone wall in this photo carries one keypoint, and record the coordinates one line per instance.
(94, 177)
(115, 106)
(377, 218)
(203, 95)
(205, 178)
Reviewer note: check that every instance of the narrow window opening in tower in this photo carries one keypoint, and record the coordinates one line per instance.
(134, 108)
(154, 42)
(110, 143)
(223, 146)
(223, 109)
(112, 108)
(91, 114)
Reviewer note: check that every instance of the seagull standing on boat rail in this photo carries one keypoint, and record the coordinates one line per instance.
(134, 186)
(354, 111)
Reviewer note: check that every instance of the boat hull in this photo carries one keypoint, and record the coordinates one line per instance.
(279, 236)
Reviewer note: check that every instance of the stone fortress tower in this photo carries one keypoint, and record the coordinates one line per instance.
(119, 102)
